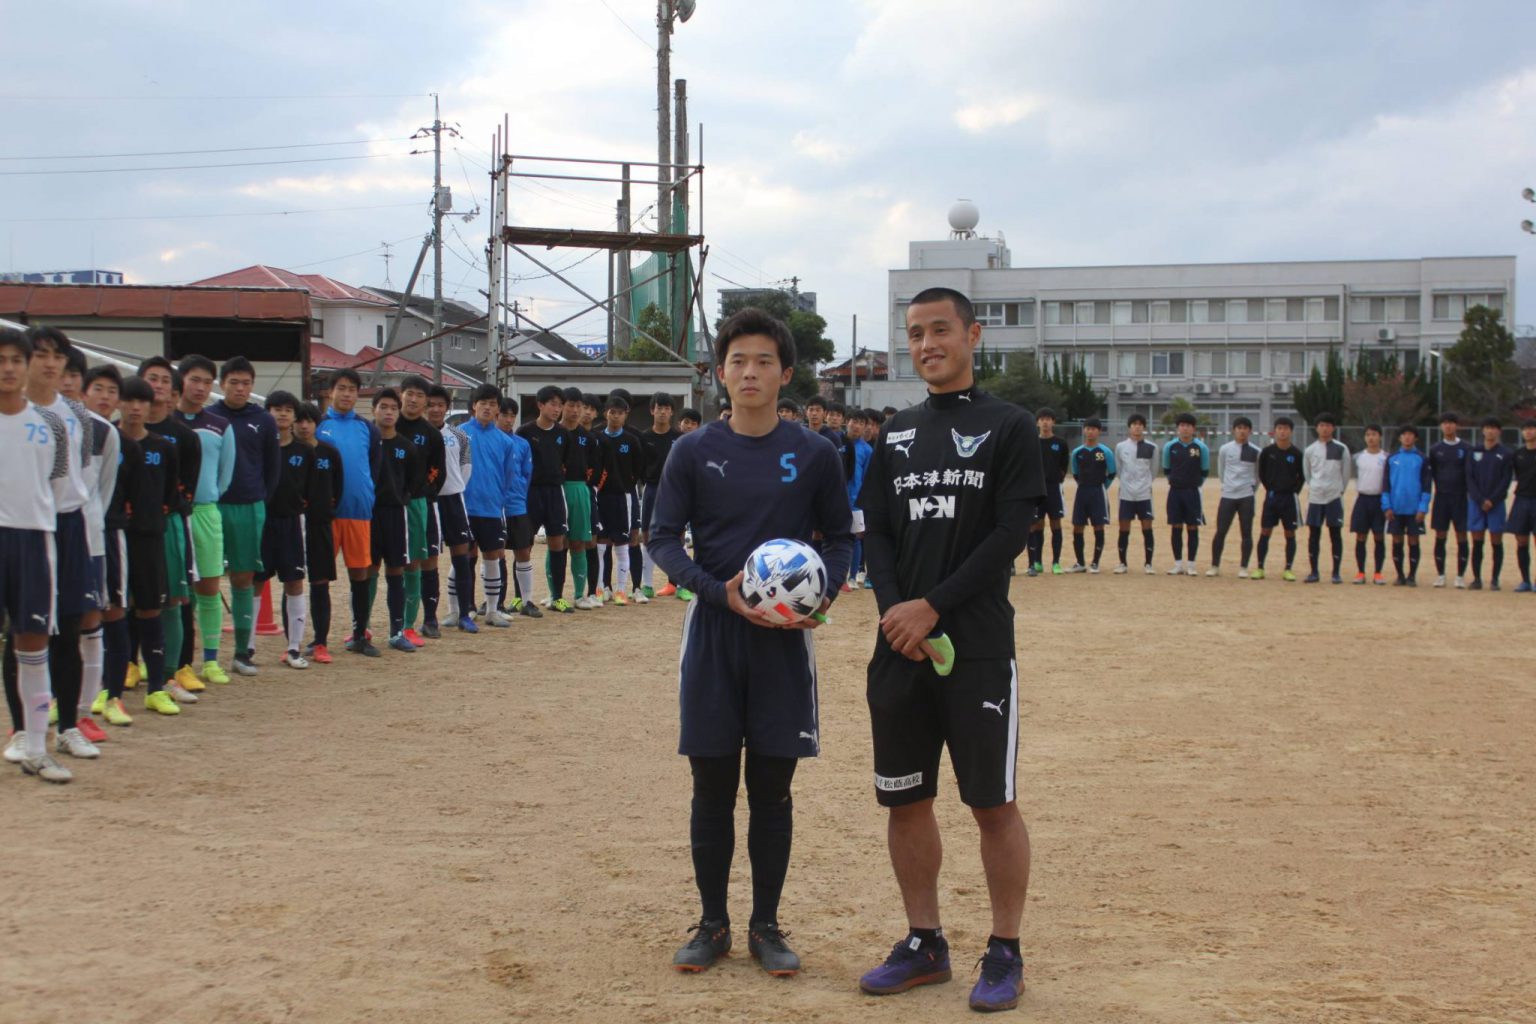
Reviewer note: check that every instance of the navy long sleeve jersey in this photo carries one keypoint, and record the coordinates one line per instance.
(189, 459)
(400, 474)
(739, 491)
(549, 450)
(1280, 469)
(1055, 460)
(294, 488)
(948, 499)
(325, 483)
(429, 446)
(623, 462)
(1448, 466)
(657, 447)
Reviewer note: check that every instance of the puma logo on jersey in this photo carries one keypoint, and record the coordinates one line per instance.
(987, 705)
(905, 448)
(718, 465)
(255, 426)
(965, 447)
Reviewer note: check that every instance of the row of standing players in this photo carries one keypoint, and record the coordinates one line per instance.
(1454, 487)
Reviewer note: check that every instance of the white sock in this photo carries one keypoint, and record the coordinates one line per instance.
(602, 560)
(524, 571)
(33, 684)
(620, 558)
(298, 606)
(490, 572)
(90, 668)
(647, 566)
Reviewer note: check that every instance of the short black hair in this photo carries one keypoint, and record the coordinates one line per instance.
(751, 320)
(1134, 417)
(236, 364)
(662, 400)
(386, 395)
(74, 362)
(1374, 426)
(1046, 413)
(439, 392)
(548, 393)
(347, 373)
(1186, 418)
(307, 411)
(485, 392)
(136, 389)
(282, 400)
(1324, 417)
(591, 400)
(1242, 421)
(106, 370)
(690, 414)
(1493, 421)
(858, 416)
(508, 405)
(817, 401)
(1449, 417)
(1407, 428)
(10, 336)
(837, 407)
(176, 381)
(616, 401)
(1284, 421)
(414, 382)
(789, 405)
(1094, 422)
(875, 416)
(962, 304)
(571, 395)
(889, 410)
(156, 361)
(56, 339)
(1527, 424)
(624, 394)
(195, 362)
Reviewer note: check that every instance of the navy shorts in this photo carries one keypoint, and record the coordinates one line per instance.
(1089, 506)
(1491, 521)
(648, 494)
(1367, 516)
(616, 513)
(148, 588)
(117, 569)
(914, 714)
(320, 549)
(519, 532)
(1136, 510)
(1449, 510)
(1326, 513)
(282, 549)
(388, 536)
(26, 579)
(1280, 509)
(490, 533)
(1522, 516)
(1053, 505)
(744, 684)
(77, 587)
(1410, 526)
(546, 509)
(1184, 508)
(453, 521)
(96, 599)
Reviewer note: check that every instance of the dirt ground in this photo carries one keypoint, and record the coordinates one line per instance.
(1250, 801)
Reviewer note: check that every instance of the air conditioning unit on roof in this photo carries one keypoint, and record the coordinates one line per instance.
(1125, 387)
(1202, 387)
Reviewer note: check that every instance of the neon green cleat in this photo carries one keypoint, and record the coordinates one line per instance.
(649, 592)
(1258, 574)
(213, 674)
(944, 654)
(116, 714)
(561, 605)
(1056, 569)
(99, 705)
(53, 712)
(1288, 576)
(161, 703)
(684, 594)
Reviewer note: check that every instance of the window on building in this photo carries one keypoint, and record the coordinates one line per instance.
(454, 341)
(1134, 364)
(1056, 311)
(1314, 311)
(1295, 310)
(1255, 311)
(989, 314)
(1228, 363)
(1101, 312)
(474, 345)
(317, 328)
(1140, 313)
(1411, 312)
(1167, 364)
(1288, 362)
(1378, 311)
(1199, 311)
(378, 335)
(1082, 312)
(1331, 310)
(1216, 309)
(1274, 310)
(1237, 311)
(1159, 311)
(1178, 311)
(1120, 313)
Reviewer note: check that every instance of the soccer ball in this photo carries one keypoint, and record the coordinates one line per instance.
(786, 579)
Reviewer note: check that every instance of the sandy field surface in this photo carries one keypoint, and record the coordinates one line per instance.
(1250, 801)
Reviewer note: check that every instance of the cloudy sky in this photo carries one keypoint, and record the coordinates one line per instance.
(835, 131)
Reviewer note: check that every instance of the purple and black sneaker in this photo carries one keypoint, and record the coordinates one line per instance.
(911, 963)
(1001, 981)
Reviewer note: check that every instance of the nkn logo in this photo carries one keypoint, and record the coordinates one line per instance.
(935, 506)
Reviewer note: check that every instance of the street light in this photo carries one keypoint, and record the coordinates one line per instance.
(1528, 227)
(1528, 194)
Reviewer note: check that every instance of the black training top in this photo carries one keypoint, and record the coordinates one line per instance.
(400, 473)
(325, 479)
(948, 499)
(549, 452)
(623, 463)
(429, 443)
(1055, 460)
(1525, 472)
(189, 458)
(1280, 470)
(657, 448)
(293, 485)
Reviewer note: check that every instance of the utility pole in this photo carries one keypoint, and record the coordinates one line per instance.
(664, 15)
(622, 303)
(442, 202)
(681, 275)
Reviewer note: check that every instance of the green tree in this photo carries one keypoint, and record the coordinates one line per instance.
(1079, 400)
(1323, 390)
(812, 346)
(1022, 383)
(1482, 378)
(1384, 396)
(655, 322)
(1181, 405)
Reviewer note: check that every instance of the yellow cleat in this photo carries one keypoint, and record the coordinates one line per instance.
(161, 702)
(189, 681)
(135, 673)
(116, 714)
(53, 712)
(99, 705)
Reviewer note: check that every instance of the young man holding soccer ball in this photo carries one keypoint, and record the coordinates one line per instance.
(948, 500)
(744, 681)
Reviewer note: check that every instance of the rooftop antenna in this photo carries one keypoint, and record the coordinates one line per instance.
(963, 218)
(387, 257)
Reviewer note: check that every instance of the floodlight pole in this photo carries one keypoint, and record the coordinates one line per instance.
(664, 20)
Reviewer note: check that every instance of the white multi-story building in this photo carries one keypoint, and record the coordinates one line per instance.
(1231, 337)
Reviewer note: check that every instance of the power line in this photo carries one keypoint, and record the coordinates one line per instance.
(191, 152)
(199, 167)
(201, 216)
(627, 26)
